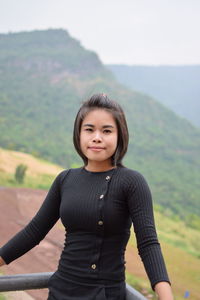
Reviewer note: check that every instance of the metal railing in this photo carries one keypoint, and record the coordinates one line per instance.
(32, 281)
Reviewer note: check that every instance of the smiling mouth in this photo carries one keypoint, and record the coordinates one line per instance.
(95, 148)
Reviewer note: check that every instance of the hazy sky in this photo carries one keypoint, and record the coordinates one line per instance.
(120, 31)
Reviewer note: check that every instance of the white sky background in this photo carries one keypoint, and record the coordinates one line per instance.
(149, 32)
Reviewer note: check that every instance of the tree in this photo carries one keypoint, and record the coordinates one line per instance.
(20, 173)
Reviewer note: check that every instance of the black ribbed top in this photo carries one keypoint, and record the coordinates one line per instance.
(97, 210)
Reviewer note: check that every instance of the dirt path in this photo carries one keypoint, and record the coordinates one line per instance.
(17, 207)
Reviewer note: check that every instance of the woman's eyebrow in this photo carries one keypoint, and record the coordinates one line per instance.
(107, 126)
(88, 125)
(104, 126)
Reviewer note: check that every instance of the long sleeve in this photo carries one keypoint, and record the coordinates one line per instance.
(38, 227)
(141, 211)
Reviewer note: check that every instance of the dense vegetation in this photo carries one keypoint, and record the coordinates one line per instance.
(177, 87)
(44, 76)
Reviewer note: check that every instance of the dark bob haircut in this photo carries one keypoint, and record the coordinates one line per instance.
(101, 101)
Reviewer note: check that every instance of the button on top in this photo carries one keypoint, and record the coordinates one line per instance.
(101, 197)
(107, 177)
(100, 222)
(93, 266)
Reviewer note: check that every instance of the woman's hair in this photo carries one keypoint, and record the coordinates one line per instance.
(101, 101)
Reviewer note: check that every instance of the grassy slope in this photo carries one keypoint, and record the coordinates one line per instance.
(40, 173)
(180, 244)
(183, 269)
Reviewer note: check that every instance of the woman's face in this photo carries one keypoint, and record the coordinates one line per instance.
(98, 137)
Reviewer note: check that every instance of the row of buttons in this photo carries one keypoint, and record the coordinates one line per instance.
(107, 178)
(93, 266)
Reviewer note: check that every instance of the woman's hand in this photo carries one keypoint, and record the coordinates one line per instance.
(2, 262)
(164, 291)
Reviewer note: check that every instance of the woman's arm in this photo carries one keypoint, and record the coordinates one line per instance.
(2, 262)
(141, 212)
(163, 290)
(38, 227)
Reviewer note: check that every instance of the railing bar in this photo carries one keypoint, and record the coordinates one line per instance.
(32, 281)
(24, 281)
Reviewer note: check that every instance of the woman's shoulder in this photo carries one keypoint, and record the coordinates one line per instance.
(66, 172)
(131, 173)
(132, 178)
(134, 183)
(62, 175)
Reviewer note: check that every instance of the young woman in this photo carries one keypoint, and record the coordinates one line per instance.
(97, 204)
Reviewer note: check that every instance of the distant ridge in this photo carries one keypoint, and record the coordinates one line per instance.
(177, 87)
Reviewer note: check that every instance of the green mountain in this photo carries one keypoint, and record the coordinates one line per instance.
(44, 76)
(177, 87)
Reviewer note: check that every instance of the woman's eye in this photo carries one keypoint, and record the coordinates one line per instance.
(107, 131)
(88, 129)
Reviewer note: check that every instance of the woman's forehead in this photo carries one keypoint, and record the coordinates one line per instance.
(99, 116)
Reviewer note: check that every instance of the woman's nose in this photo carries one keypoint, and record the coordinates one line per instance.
(97, 136)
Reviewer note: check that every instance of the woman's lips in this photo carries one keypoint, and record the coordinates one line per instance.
(95, 149)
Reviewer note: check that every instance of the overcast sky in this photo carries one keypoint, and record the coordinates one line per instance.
(119, 31)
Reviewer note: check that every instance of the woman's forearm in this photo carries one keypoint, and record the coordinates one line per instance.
(2, 262)
(164, 291)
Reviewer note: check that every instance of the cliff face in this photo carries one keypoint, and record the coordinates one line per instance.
(48, 51)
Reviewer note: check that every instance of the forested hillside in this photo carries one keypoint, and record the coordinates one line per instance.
(44, 76)
(177, 87)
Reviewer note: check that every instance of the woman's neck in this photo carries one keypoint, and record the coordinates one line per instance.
(93, 167)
